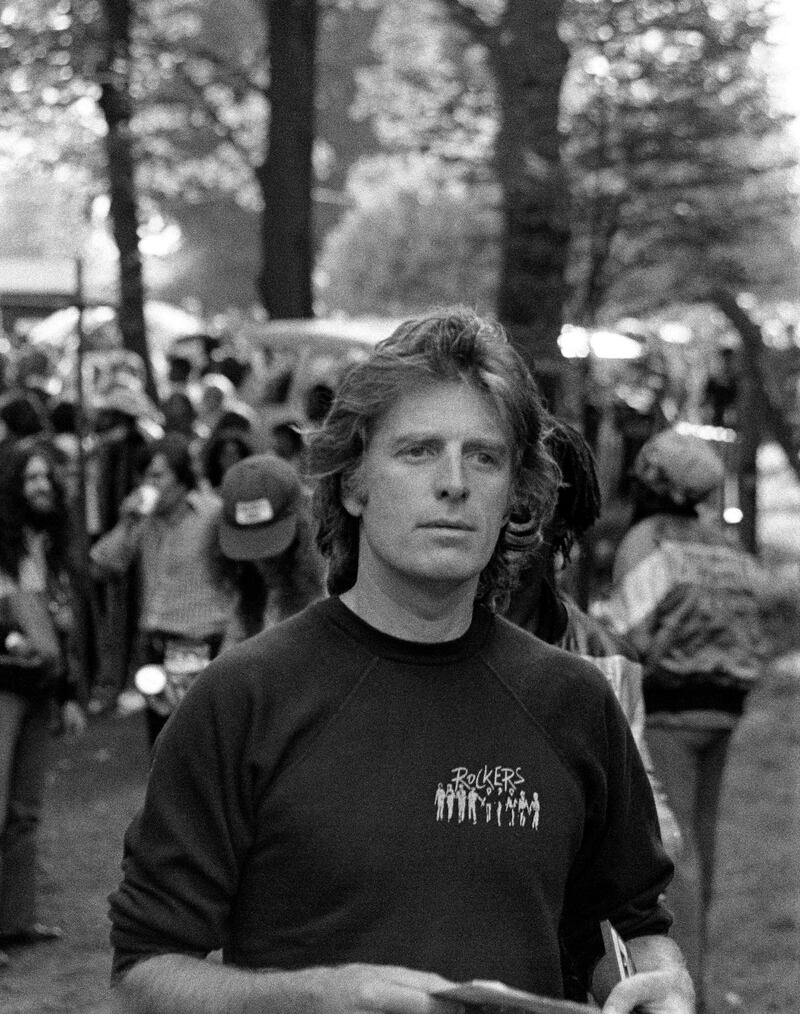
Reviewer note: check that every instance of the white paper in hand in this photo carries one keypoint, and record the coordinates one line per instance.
(484, 993)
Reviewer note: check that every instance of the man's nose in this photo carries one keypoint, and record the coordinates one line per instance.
(452, 480)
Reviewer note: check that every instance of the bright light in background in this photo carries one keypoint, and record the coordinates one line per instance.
(786, 66)
(577, 342)
(157, 237)
(676, 333)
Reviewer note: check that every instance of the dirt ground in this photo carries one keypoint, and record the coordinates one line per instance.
(96, 785)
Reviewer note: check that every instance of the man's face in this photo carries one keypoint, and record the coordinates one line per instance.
(160, 475)
(433, 488)
(37, 486)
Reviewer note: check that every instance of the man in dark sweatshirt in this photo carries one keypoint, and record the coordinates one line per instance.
(397, 789)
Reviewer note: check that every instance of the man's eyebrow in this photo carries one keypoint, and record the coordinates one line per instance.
(498, 445)
(423, 436)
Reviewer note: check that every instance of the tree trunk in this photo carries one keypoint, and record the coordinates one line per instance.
(759, 397)
(115, 102)
(285, 178)
(529, 61)
(604, 221)
(748, 413)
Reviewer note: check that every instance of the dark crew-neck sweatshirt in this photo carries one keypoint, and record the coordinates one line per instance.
(327, 793)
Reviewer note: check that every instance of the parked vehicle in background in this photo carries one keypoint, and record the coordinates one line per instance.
(104, 356)
(304, 361)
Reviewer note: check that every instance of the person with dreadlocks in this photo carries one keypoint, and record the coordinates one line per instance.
(539, 606)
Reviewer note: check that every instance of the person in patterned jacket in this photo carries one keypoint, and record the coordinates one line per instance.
(688, 598)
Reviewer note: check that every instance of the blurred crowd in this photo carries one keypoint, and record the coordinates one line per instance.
(139, 541)
(101, 445)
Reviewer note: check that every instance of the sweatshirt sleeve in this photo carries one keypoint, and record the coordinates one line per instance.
(622, 868)
(183, 852)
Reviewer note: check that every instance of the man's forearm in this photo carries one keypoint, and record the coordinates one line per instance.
(178, 984)
(661, 986)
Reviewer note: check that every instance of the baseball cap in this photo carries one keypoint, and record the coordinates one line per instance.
(682, 466)
(260, 496)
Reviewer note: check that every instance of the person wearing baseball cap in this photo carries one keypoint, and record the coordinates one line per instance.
(688, 598)
(266, 532)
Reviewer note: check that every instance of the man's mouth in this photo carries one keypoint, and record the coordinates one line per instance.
(456, 526)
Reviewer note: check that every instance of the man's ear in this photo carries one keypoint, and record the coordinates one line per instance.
(353, 494)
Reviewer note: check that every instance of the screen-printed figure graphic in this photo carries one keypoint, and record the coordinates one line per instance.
(439, 800)
(472, 801)
(497, 790)
(461, 796)
(522, 807)
(450, 797)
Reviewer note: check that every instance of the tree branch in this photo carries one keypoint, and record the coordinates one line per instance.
(468, 18)
(232, 73)
(226, 131)
(752, 345)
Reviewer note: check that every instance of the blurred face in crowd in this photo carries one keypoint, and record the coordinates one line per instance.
(161, 476)
(230, 453)
(37, 486)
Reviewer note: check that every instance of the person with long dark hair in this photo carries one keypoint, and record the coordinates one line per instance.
(36, 620)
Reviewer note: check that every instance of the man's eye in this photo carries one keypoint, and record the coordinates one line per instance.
(488, 458)
(415, 451)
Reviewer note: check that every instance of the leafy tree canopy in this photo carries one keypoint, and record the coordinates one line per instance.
(680, 167)
(415, 237)
(196, 76)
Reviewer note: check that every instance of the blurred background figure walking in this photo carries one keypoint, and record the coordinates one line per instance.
(688, 599)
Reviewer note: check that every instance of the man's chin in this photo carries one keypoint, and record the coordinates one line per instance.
(445, 574)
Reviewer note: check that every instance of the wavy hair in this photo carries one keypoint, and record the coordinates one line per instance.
(15, 511)
(454, 345)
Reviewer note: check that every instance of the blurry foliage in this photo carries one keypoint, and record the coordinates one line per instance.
(680, 169)
(414, 238)
(201, 98)
(681, 172)
(425, 225)
(196, 78)
(432, 89)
